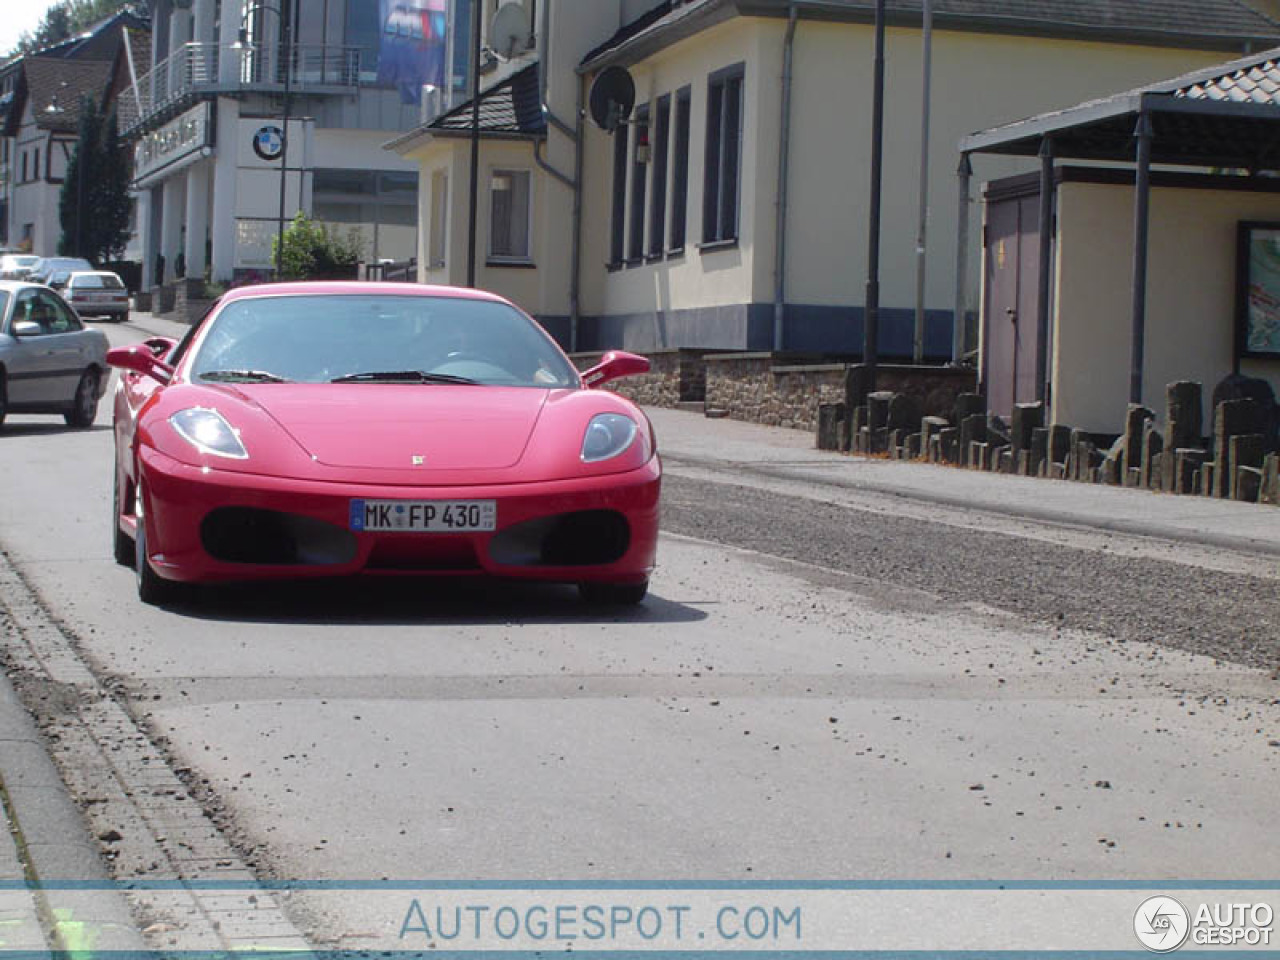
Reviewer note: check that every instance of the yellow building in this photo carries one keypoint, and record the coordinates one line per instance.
(678, 230)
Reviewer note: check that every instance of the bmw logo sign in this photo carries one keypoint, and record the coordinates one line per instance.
(268, 142)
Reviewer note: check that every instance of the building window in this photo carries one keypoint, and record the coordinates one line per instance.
(438, 238)
(640, 151)
(509, 202)
(658, 205)
(619, 225)
(35, 172)
(724, 153)
(377, 204)
(680, 171)
(24, 167)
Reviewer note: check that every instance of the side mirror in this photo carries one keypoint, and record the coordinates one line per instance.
(139, 359)
(615, 364)
(26, 328)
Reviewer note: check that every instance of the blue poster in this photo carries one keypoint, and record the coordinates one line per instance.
(412, 52)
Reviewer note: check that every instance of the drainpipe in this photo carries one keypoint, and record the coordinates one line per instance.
(574, 183)
(964, 175)
(784, 162)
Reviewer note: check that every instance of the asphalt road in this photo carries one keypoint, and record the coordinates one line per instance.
(815, 690)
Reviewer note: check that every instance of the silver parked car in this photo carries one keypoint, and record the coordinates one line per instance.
(50, 362)
(100, 293)
(17, 266)
(45, 270)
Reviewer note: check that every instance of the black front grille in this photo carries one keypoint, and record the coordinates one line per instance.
(269, 537)
(586, 538)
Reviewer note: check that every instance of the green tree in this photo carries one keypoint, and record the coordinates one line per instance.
(94, 204)
(313, 251)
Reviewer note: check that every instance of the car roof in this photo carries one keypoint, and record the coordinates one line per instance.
(14, 286)
(352, 287)
(94, 273)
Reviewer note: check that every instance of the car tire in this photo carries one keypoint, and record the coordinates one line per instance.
(153, 589)
(4, 397)
(613, 594)
(123, 317)
(122, 545)
(84, 405)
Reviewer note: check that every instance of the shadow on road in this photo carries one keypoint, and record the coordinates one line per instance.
(11, 429)
(411, 601)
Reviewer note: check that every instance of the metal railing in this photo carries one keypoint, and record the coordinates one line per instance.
(403, 271)
(196, 68)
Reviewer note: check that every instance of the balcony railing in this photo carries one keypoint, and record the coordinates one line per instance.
(206, 68)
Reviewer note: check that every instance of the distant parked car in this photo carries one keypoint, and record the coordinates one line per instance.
(49, 361)
(17, 266)
(48, 266)
(100, 293)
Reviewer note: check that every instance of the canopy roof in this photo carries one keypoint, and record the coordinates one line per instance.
(1222, 116)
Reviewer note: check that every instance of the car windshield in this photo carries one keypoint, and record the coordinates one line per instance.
(96, 281)
(376, 338)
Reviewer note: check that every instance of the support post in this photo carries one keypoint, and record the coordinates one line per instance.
(473, 207)
(1141, 228)
(922, 226)
(286, 53)
(1046, 269)
(871, 322)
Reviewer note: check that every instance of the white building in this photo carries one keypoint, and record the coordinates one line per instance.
(215, 173)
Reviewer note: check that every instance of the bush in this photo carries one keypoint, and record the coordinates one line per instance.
(312, 251)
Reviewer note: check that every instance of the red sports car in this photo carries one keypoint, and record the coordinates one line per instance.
(327, 429)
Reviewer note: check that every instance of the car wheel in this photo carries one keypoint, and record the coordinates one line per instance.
(613, 594)
(123, 317)
(152, 588)
(122, 545)
(84, 406)
(4, 397)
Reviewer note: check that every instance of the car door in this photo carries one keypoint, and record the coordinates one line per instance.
(28, 355)
(67, 342)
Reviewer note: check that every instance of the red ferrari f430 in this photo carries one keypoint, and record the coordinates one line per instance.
(330, 429)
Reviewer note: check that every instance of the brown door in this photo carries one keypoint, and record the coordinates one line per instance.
(1012, 264)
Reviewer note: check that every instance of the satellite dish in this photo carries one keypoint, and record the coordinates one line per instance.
(509, 31)
(613, 94)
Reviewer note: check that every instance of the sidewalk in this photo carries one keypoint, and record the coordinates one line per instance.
(686, 438)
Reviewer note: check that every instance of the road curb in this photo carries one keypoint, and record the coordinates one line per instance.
(53, 843)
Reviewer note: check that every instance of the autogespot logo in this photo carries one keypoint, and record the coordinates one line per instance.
(1162, 924)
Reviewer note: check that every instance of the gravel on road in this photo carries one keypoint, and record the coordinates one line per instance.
(1228, 616)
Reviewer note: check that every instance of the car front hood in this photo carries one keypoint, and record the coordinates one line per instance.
(404, 426)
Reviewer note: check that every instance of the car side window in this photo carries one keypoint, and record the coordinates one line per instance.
(26, 310)
(60, 319)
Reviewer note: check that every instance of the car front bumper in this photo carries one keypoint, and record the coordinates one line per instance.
(207, 525)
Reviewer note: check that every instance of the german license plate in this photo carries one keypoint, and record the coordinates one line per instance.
(424, 516)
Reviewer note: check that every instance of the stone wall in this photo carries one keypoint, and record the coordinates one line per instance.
(785, 390)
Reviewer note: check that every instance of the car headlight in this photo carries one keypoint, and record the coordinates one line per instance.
(608, 434)
(208, 432)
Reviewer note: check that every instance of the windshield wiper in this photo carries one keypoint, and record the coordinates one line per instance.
(403, 376)
(243, 376)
